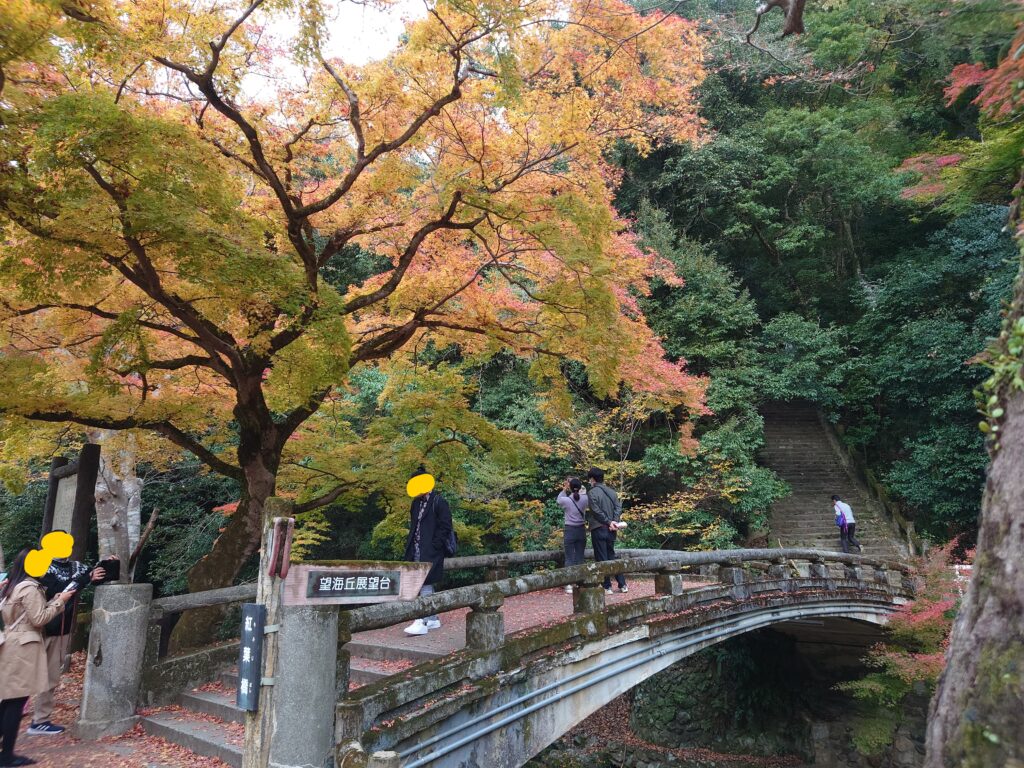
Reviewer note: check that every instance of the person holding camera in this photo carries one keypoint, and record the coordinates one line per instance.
(573, 501)
(23, 667)
(63, 574)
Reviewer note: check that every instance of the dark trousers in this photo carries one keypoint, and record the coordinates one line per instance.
(847, 538)
(575, 544)
(604, 549)
(10, 720)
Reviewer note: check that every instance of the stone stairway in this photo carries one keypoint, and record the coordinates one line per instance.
(798, 448)
(206, 721)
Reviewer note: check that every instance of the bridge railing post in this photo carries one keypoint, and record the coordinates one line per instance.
(881, 574)
(908, 582)
(305, 687)
(119, 622)
(731, 572)
(485, 624)
(853, 572)
(778, 571)
(588, 598)
(669, 580)
(498, 571)
(349, 717)
(819, 568)
(343, 673)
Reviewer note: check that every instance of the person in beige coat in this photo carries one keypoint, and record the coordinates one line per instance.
(23, 670)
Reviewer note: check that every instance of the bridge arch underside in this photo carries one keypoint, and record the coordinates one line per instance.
(514, 714)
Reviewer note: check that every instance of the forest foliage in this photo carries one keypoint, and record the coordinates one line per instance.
(835, 235)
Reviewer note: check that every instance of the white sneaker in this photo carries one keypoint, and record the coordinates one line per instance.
(432, 623)
(623, 590)
(418, 627)
(609, 591)
(568, 589)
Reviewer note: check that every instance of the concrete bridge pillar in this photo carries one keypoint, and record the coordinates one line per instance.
(853, 572)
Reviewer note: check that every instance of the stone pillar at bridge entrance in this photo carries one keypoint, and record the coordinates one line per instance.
(113, 671)
(305, 687)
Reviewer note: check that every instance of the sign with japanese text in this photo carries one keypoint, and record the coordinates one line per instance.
(250, 657)
(320, 584)
(353, 583)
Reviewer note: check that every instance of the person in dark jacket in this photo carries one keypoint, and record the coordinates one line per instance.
(605, 517)
(57, 636)
(430, 526)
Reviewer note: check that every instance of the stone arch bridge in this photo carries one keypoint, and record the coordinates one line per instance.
(500, 697)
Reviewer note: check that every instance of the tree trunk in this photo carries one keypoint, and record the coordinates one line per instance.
(118, 506)
(238, 541)
(977, 714)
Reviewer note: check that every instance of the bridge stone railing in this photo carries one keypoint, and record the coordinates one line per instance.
(374, 718)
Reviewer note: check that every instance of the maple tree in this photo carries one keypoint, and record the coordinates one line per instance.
(167, 226)
(913, 652)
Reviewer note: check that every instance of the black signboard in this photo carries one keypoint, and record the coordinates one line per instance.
(250, 657)
(329, 584)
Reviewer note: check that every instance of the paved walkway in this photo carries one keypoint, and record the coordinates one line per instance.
(535, 609)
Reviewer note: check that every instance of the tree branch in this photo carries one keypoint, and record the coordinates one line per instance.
(363, 161)
(324, 499)
(445, 222)
(165, 428)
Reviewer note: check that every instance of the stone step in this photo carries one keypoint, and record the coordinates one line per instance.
(363, 670)
(819, 533)
(376, 652)
(219, 704)
(204, 737)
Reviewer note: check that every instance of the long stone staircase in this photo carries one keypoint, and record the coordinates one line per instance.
(798, 448)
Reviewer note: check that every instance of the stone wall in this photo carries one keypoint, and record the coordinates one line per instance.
(749, 695)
